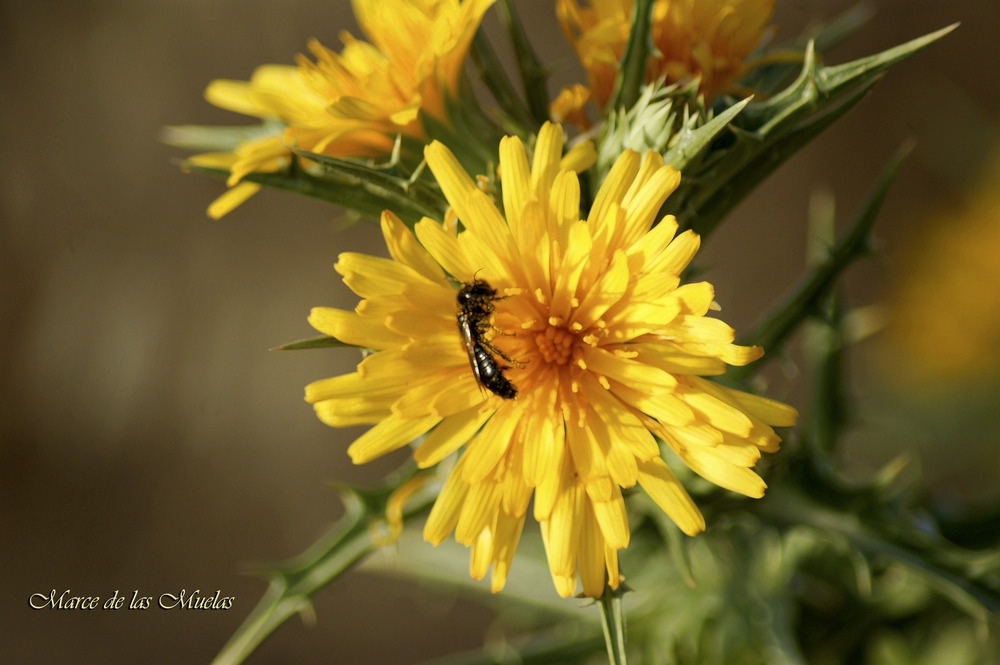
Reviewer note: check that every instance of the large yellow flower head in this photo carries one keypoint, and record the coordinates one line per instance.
(606, 351)
(709, 39)
(354, 103)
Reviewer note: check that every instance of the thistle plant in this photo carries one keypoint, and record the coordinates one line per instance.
(576, 410)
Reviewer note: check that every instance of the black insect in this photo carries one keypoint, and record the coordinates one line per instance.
(475, 307)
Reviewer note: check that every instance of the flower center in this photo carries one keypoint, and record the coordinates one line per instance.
(555, 345)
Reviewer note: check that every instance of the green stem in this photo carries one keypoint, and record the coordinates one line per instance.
(632, 67)
(613, 622)
(337, 551)
(811, 293)
(341, 548)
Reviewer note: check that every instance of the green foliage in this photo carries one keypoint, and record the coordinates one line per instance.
(321, 342)
(292, 583)
(808, 297)
(768, 133)
(638, 48)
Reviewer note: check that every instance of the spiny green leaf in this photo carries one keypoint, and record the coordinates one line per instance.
(804, 301)
(690, 142)
(288, 592)
(767, 133)
(832, 81)
(707, 207)
(396, 191)
(533, 76)
(323, 342)
(778, 64)
(495, 78)
(828, 414)
(638, 48)
(818, 86)
(342, 190)
(293, 583)
(470, 135)
(217, 139)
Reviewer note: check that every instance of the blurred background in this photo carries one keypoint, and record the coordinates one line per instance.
(150, 442)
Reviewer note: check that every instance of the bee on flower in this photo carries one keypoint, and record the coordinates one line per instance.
(611, 352)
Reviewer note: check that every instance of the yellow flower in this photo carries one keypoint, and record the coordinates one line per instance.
(351, 104)
(945, 311)
(607, 353)
(567, 107)
(695, 38)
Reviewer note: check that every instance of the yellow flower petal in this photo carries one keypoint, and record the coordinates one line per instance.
(627, 370)
(394, 506)
(613, 520)
(478, 509)
(354, 104)
(452, 433)
(444, 248)
(363, 409)
(568, 106)
(563, 530)
(371, 276)
(663, 487)
(718, 413)
(404, 248)
(712, 467)
(490, 444)
(444, 513)
(616, 185)
(481, 555)
(388, 435)
(232, 199)
(543, 450)
(677, 255)
(773, 413)
(516, 178)
(350, 328)
(507, 536)
(454, 181)
(545, 164)
(590, 557)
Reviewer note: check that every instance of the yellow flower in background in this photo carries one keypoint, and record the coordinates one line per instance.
(590, 324)
(567, 107)
(709, 39)
(945, 311)
(354, 103)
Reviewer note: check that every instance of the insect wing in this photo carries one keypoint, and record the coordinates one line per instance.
(470, 347)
